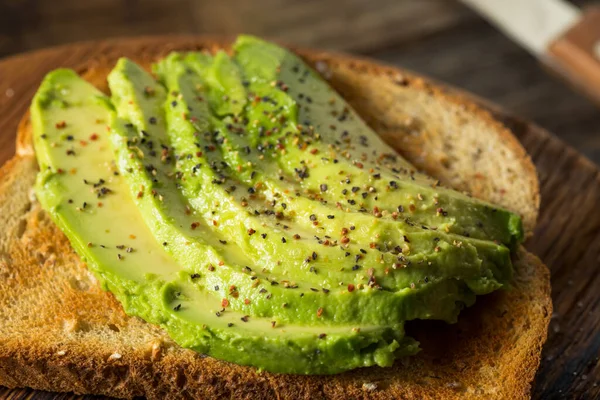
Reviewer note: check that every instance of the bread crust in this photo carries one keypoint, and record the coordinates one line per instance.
(79, 339)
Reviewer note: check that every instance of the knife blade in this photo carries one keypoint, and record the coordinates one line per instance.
(564, 38)
(534, 24)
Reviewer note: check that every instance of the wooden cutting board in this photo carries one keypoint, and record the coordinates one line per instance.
(567, 237)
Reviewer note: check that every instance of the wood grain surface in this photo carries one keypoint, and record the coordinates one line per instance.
(567, 236)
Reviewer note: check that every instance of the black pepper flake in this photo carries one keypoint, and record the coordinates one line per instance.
(364, 195)
(177, 307)
(263, 235)
(230, 324)
(302, 172)
(356, 267)
(323, 187)
(245, 318)
(152, 120)
(314, 255)
(322, 336)
(283, 240)
(330, 217)
(313, 217)
(363, 251)
(195, 276)
(103, 191)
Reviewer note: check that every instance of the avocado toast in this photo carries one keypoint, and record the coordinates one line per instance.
(171, 297)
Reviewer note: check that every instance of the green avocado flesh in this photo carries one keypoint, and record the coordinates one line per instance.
(242, 205)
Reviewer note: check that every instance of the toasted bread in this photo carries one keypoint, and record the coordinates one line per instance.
(59, 331)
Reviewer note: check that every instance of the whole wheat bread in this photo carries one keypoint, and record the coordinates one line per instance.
(59, 331)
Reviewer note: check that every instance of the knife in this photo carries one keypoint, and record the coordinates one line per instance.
(561, 36)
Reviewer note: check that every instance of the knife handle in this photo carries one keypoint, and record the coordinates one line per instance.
(575, 55)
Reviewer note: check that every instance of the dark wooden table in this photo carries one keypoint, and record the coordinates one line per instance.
(437, 38)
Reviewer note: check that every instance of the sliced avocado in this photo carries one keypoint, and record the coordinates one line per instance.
(320, 110)
(150, 175)
(221, 205)
(299, 208)
(390, 276)
(90, 202)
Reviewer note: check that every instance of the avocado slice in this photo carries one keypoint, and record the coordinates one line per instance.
(320, 109)
(89, 200)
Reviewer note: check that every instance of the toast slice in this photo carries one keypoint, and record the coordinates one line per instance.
(59, 331)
